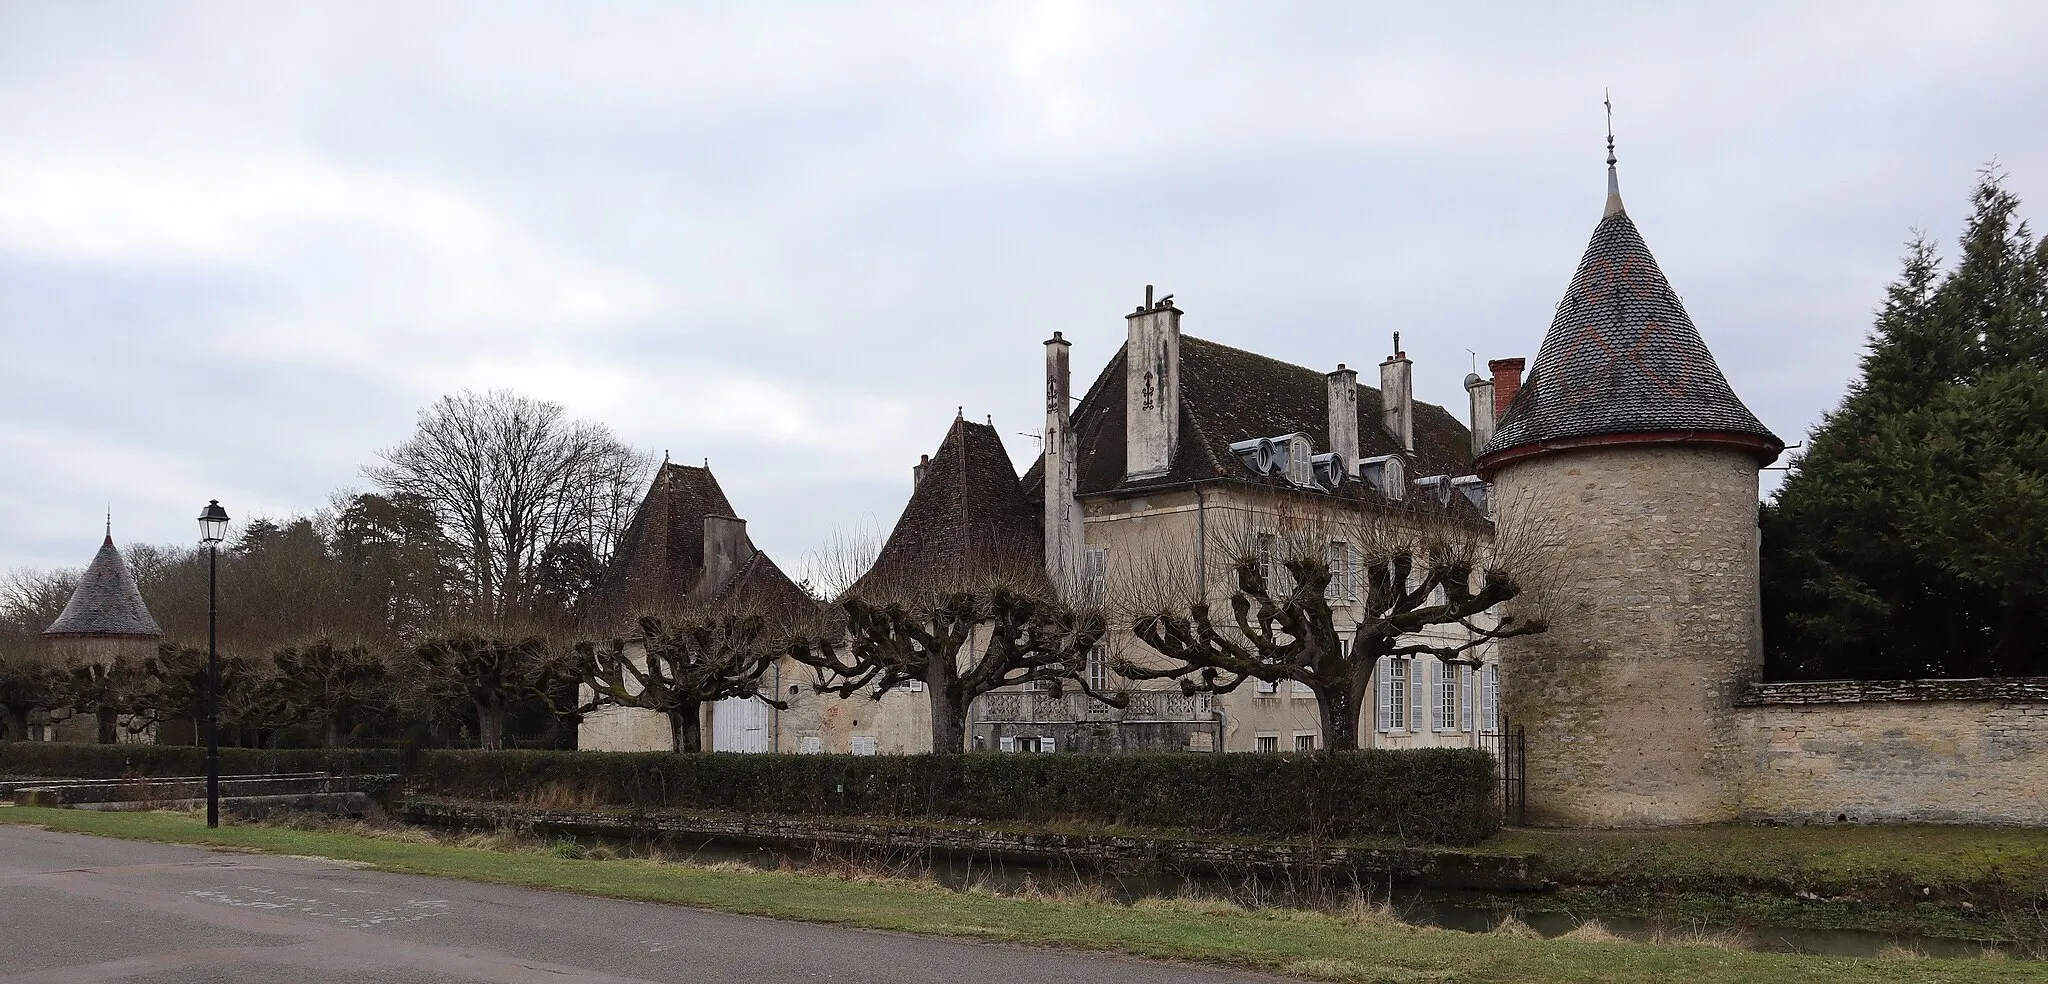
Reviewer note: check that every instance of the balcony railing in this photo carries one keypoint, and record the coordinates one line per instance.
(1026, 707)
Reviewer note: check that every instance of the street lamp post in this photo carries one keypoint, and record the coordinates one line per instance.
(213, 528)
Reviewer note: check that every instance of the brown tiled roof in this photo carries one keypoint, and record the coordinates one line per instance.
(106, 601)
(968, 518)
(1622, 356)
(1229, 395)
(760, 585)
(659, 563)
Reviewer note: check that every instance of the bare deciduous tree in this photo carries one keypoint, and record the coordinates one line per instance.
(993, 622)
(1421, 579)
(684, 663)
(28, 687)
(508, 476)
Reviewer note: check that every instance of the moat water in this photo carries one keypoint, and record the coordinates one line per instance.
(1464, 911)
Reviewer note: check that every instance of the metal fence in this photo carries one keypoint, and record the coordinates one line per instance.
(1511, 758)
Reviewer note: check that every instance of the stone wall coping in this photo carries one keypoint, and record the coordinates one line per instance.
(2018, 690)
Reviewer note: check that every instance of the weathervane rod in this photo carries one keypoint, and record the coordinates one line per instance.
(1607, 100)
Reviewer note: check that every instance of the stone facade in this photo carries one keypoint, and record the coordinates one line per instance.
(1928, 751)
(1630, 697)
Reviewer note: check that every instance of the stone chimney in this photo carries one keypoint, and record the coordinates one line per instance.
(1397, 396)
(1152, 388)
(1481, 393)
(725, 549)
(1343, 404)
(924, 461)
(1063, 535)
(1507, 381)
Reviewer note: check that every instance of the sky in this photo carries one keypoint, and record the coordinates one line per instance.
(241, 245)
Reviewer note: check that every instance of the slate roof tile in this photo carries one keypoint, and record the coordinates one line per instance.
(1622, 356)
(106, 601)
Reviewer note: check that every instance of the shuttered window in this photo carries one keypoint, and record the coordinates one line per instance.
(1095, 575)
(1465, 698)
(1418, 703)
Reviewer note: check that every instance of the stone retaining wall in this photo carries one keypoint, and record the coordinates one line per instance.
(1933, 751)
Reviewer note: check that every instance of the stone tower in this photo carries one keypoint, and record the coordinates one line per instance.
(105, 619)
(1636, 464)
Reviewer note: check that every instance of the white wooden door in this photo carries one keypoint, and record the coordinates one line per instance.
(739, 724)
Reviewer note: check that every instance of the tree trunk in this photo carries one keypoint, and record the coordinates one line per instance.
(949, 720)
(490, 725)
(686, 727)
(334, 732)
(107, 721)
(1340, 719)
(13, 724)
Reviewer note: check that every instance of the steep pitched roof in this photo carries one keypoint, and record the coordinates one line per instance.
(660, 557)
(106, 602)
(968, 517)
(759, 584)
(1229, 395)
(1623, 357)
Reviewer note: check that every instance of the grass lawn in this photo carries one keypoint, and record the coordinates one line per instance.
(1369, 948)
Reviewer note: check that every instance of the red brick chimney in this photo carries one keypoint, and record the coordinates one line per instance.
(1507, 381)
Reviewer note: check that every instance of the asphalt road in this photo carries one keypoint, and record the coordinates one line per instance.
(76, 908)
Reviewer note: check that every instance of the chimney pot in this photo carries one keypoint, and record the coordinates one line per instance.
(1397, 397)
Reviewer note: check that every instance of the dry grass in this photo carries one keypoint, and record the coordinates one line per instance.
(1701, 936)
(1902, 952)
(1513, 927)
(1593, 931)
(562, 797)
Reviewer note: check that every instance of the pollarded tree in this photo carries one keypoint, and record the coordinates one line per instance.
(170, 685)
(960, 644)
(28, 686)
(105, 690)
(336, 685)
(487, 671)
(1418, 580)
(682, 664)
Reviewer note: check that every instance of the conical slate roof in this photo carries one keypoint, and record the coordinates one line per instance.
(1623, 358)
(107, 602)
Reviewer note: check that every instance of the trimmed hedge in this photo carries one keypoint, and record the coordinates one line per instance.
(1439, 795)
(37, 759)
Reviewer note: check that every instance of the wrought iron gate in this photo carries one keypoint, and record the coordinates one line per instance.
(1511, 757)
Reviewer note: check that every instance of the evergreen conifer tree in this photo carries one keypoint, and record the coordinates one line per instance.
(1909, 539)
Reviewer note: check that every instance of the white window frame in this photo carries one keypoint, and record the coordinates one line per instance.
(864, 745)
(1392, 685)
(1095, 575)
(1266, 744)
(1310, 736)
(810, 745)
(1301, 466)
(1097, 668)
(1266, 688)
(1343, 573)
(1446, 697)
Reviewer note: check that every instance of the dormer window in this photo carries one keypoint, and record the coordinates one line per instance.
(1386, 474)
(1301, 469)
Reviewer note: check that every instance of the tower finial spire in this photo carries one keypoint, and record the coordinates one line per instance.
(1613, 183)
(110, 522)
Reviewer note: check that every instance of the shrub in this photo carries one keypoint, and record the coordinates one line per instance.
(86, 761)
(1435, 795)
(1438, 795)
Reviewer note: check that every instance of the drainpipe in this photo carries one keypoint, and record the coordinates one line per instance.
(776, 728)
(1201, 545)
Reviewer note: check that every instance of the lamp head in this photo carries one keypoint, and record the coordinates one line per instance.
(213, 522)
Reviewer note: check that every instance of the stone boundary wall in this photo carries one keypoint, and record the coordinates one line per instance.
(2021, 689)
(1897, 751)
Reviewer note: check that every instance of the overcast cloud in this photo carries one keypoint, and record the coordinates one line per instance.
(242, 245)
